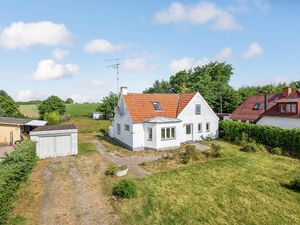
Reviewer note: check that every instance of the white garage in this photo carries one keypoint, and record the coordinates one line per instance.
(55, 141)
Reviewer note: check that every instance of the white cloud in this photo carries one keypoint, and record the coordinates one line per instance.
(253, 50)
(95, 83)
(60, 54)
(50, 70)
(225, 54)
(22, 35)
(26, 95)
(102, 46)
(263, 5)
(136, 64)
(201, 13)
(186, 63)
(79, 98)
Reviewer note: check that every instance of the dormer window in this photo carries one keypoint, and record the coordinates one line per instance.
(288, 108)
(257, 106)
(157, 106)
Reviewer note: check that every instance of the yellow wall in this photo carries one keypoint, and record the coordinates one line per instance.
(5, 133)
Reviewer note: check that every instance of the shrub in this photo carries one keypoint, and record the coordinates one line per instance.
(287, 139)
(185, 160)
(125, 189)
(14, 170)
(51, 104)
(295, 184)
(276, 151)
(216, 150)
(250, 147)
(53, 118)
(189, 154)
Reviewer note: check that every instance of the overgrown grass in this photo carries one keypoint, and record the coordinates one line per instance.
(239, 188)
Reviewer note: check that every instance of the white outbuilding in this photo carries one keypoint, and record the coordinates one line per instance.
(55, 141)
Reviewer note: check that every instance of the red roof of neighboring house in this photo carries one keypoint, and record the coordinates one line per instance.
(247, 112)
(140, 105)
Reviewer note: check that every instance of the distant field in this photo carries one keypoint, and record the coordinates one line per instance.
(31, 111)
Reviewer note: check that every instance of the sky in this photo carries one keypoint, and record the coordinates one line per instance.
(64, 48)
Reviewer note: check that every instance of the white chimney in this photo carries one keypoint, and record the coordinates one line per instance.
(124, 91)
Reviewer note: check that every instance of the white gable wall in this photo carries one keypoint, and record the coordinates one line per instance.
(188, 116)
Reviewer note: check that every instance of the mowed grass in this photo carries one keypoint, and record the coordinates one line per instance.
(239, 188)
(75, 110)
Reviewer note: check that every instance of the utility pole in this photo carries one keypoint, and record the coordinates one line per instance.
(116, 66)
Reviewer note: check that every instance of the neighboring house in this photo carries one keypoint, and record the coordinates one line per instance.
(55, 140)
(285, 113)
(15, 129)
(161, 121)
(280, 110)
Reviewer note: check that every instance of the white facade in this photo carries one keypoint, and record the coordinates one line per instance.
(176, 130)
(55, 143)
(279, 121)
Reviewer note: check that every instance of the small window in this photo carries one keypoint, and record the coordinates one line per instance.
(199, 127)
(188, 129)
(168, 133)
(118, 128)
(207, 127)
(127, 127)
(257, 106)
(149, 134)
(198, 109)
(156, 106)
(294, 108)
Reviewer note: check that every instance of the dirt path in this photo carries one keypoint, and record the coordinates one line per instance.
(131, 161)
(72, 192)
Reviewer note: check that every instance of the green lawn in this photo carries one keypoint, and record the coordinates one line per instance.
(239, 188)
(31, 111)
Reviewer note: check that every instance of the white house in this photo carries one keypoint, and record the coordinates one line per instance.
(161, 121)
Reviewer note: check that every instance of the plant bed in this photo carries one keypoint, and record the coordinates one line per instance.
(118, 171)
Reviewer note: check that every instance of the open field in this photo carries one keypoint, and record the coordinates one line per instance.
(31, 111)
(239, 188)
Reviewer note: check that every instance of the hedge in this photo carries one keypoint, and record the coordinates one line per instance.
(14, 170)
(287, 139)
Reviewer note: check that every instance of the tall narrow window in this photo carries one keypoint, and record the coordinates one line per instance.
(149, 134)
(199, 127)
(198, 109)
(207, 127)
(118, 128)
(163, 133)
(294, 108)
(127, 127)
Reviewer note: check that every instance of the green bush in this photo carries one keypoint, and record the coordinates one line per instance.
(189, 154)
(216, 150)
(250, 147)
(14, 170)
(276, 151)
(53, 118)
(287, 139)
(295, 184)
(125, 189)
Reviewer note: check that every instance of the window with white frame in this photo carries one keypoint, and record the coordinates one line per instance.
(294, 108)
(288, 108)
(118, 128)
(207, 127)
(127, 127)
(168, 133)
(149, 134)
(198, 109)
(199, 127)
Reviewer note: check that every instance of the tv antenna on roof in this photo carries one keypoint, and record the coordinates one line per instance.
(115, 66)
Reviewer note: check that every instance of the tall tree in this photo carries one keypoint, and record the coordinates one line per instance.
(69, 101)
(108, 104)
(52, 104)
(8, 107)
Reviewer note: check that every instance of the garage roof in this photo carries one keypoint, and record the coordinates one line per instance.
(18, 121)
(55, 127)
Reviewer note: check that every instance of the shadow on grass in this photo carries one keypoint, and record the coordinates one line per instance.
(291, 186)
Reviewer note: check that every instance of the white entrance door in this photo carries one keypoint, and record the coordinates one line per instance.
(189, 131)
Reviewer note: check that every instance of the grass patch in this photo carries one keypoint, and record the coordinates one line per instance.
(86, 148)
(239, 188)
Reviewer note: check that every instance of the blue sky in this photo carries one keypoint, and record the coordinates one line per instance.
(61, 47)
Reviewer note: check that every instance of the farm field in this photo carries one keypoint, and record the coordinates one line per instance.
(31, 111)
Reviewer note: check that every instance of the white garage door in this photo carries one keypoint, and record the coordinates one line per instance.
(54, 146)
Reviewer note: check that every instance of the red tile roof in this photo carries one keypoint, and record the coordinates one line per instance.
(140, 105)
(247, 112)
